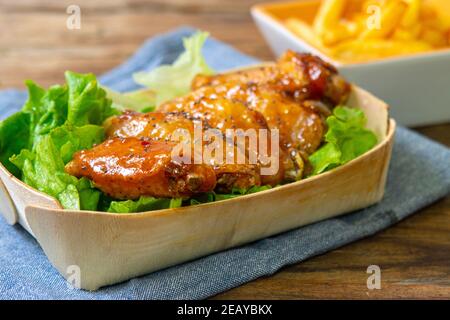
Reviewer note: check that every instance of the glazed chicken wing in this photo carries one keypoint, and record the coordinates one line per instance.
(163, 125)
(220, 107)
(126, 168)
(214, 105)
(299, 75)
(152, 125)
(240, 105)
(248, 106)
(294, 96)
(301, 126)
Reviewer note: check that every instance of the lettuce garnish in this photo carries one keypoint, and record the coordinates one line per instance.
(139, 100)
(346, 139)
(144, 204)
(212, 196)
(36, 142)
(167, 81)
(150, 203)
(170, 81)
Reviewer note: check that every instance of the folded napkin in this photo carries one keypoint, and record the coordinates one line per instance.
(419, 174)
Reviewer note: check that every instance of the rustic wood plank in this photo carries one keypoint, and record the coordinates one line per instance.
(414, 255)
(38, 45)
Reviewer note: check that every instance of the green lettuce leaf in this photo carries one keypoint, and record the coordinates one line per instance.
(43, 168)
(88, 196)
(236, 192)
(139, 100)
(42, 112)
(170, 81)
(346, 139)
(69, 139)
(202, 198)
(150, 203)
(37, 142)
(14, 136)
(87, 103)
(144, 204)
(47, 109)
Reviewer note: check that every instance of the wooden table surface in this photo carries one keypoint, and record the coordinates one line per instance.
(414, 255)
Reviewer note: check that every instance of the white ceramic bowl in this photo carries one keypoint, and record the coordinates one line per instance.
(417, 87)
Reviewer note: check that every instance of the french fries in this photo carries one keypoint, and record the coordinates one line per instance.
(376, 29)
(407, 34)
(411, 16)
(388, 21)
(328, 16)
(434, 37)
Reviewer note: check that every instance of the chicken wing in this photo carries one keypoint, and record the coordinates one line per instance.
(300, 75)
(294, 96)
(240, 105)
(215, 105)
(163, 126)
(220, 107)
(126, 168)
(153, 125)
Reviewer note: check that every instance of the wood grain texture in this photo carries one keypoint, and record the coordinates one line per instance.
(35, 44)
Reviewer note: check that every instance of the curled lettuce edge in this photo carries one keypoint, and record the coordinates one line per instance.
(171, 81)
(37, 141)
(346, 139)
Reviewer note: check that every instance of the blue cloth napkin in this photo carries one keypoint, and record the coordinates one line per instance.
(419, 174)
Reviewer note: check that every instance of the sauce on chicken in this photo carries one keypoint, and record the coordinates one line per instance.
(126, 168)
